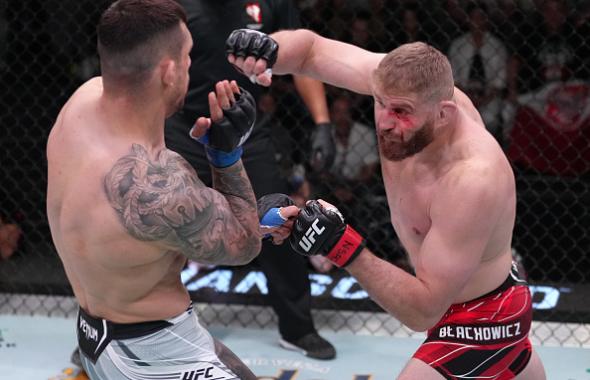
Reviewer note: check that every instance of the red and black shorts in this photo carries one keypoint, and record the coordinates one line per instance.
(486, 338)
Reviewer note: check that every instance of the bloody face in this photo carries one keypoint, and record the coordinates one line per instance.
(404, 127)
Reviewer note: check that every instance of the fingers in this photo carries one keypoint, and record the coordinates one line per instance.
(223, 98)
(321, 263)
(331, 208)
(264, 79)
(234, 87)
(200, 128)
(238, 62)
(260, 67)
(224, 94)
(249, 66)
(289, 212)
(277, 234)
(280, 235)
(229, 91)
(214, 108)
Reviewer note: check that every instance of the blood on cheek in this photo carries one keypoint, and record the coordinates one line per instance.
(403, 122)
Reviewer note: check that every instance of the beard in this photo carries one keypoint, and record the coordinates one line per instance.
(394, 150)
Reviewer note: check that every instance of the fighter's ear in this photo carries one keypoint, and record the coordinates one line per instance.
(168, 72)
(447, 112)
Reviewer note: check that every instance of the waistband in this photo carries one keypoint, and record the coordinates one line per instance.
(137, 329)
(510, 281)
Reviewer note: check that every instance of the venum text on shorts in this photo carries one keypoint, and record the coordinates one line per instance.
(89, 331)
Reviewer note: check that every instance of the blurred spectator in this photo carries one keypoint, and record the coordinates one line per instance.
(479, 67)
(330, 18)
(10, 235)
(544, 50)
(3, 41)
(381, 13)
(446, 21)
(551, 128)
(360, 33)
(356, 161)
(551, 132)
(582, 25)
(410, 29)
(506, 18)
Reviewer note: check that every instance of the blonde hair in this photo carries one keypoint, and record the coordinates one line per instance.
(416, 68)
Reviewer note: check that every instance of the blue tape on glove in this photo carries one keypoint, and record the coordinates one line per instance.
(272, 218)
(217, 158)
(221, 159)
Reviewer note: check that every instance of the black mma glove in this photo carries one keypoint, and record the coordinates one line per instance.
(269, 207)
(323, 149)
(247, 42)
(322, 231)
(224, 139)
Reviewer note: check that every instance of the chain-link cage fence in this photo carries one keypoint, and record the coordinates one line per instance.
(525, 65)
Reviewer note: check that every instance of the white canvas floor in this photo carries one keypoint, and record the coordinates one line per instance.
(37, 348)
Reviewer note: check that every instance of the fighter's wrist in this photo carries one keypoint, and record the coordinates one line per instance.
(221, 159)
(347, 249)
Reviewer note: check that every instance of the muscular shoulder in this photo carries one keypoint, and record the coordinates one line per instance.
(479, 180)
(86, 93)
(74, 112)
(467, 107)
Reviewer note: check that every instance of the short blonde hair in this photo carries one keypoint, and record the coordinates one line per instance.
(416, 68)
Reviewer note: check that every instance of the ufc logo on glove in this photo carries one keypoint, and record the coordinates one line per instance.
(309, 238)
(333, 238)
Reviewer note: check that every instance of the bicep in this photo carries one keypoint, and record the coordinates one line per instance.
(337, 63)
(345, 65)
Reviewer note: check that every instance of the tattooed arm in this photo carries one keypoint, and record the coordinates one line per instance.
(163, 200)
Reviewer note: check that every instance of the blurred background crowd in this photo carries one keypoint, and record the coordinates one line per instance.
(525, 64)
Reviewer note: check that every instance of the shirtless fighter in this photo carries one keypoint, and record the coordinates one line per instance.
(452, 197)
(126, 213)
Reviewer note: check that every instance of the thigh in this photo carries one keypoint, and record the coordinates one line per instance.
(534, 370)
(232, 361)
(417, 369)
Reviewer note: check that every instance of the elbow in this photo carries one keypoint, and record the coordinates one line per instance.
(256, 247)
(249, 251)
(418, 323)
(425, 318)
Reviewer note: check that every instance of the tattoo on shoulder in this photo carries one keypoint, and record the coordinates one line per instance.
(142, 191)
(163, 199)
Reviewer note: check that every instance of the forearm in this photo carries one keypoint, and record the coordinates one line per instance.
(314, 96)
(233, 183)
(396, 291)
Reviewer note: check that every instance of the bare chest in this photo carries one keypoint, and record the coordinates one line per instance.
(409, 203)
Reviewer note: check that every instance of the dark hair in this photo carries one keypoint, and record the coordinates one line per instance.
(133, 35)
